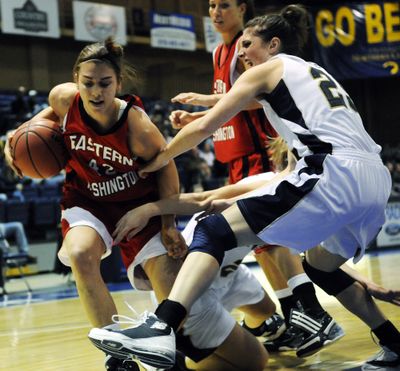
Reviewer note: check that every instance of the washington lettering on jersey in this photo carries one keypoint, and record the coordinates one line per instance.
(111, 186)
(224, 133)
(83, 143)
(219, 86)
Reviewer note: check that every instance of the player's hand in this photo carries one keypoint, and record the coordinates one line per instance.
(216, 207)
(157, 163)
(174, 242)
(193, 99)
(131, 224)
(382, 293)
(8, 154)
(180, 118)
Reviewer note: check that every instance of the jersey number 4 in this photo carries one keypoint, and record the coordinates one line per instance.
(334, 94)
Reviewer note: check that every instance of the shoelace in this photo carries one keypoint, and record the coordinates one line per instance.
(134, 322)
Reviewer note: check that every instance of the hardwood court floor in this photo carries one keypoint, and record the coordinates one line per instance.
(51, 335)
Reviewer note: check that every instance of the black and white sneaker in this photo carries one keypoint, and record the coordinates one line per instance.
(116, 364)
(290, 340)
(323, 331)
(386, 360)
(271, 329)
(150, 340)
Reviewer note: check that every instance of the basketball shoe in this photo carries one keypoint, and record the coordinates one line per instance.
(116, 364)
(386, 359)
(270, 329)
(323, 331)
(290, 340)
(150, 340)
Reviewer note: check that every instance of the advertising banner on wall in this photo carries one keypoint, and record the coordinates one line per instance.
(172, 31)
(30, 17)
(390, 232)
(212, 38)
(358, 40)
(95, 22)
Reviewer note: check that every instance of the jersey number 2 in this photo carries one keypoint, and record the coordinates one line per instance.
(329, 87)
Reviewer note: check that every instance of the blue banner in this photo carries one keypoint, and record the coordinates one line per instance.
(172, 31)
(358, 40)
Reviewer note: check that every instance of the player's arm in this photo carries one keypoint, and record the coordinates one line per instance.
(251, 84)
(182, 204)
(180, 118)
(375, 290)
(52, 113)
(61, 98)
(145, 142)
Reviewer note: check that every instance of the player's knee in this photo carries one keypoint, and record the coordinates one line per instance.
(83, 259)
(213, 236)
(333, 283)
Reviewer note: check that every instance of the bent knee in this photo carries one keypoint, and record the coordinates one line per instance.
(84, 258)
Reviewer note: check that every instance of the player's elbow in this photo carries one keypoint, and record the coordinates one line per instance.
(206, 128)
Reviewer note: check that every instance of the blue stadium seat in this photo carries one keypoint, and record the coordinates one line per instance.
(44, 212)
(17, 211)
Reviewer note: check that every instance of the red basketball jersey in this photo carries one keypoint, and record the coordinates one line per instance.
(247, 132)
(101, 173)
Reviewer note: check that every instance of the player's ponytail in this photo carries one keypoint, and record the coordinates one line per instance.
(297, 17)
(290, 26)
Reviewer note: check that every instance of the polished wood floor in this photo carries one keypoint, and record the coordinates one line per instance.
(52, 335)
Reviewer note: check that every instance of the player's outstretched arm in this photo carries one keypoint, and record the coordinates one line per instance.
(251, 84)
(181, 118)
(375, 290)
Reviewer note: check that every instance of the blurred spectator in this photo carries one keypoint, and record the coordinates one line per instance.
(206, 153)
(16, 231)
(20, 107)
(189, 169)
(396, 178)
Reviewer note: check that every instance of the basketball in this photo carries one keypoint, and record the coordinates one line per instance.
(38, 149)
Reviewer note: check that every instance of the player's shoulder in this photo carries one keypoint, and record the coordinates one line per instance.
(61, 97)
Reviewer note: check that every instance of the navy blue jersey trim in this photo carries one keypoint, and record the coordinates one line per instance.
(261, 211)
(245, 167)
(285, 107)
(314, 164)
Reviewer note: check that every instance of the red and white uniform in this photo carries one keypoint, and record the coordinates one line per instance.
(240, 141)
(101, 182)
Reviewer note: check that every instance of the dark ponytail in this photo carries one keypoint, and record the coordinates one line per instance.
(250, 11)
(290, 26)
(297, 17)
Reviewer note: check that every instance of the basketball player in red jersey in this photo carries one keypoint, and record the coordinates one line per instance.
(107, 138)
(241, 142)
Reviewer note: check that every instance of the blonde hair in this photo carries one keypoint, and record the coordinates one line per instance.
(279, 154)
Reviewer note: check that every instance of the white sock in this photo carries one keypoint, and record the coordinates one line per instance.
(284, 293)
(298, 280)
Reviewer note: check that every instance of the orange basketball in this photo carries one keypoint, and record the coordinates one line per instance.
(38, 149)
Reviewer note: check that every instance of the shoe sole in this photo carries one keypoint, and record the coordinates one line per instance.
(320, 346)
(116, 348)
(278, 333)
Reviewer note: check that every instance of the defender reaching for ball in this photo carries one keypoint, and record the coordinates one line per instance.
(337, 192)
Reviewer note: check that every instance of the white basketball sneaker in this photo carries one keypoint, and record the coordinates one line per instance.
(385, 360)
(150, 340)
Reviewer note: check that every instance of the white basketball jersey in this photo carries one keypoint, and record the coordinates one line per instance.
(312, 111)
